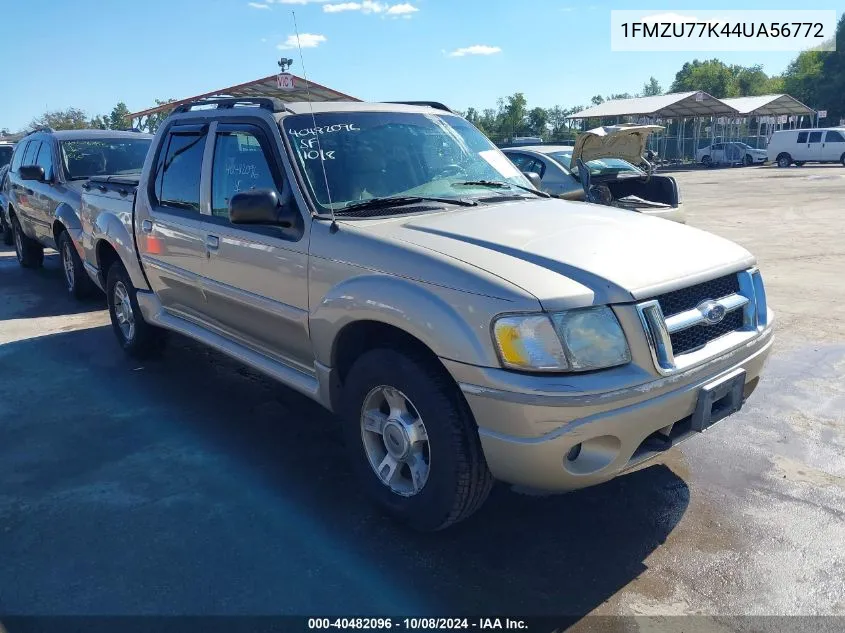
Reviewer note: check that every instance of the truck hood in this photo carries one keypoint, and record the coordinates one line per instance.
(614, 141)
(543, 246)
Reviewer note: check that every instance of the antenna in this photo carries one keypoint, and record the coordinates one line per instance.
(313, 118)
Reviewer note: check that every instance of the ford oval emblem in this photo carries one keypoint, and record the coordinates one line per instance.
(712, 312)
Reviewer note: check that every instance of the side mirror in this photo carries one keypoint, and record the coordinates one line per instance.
(32, 172)
(259, 206)
(534, 177)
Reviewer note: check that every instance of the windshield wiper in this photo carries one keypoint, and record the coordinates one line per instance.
(401, 201)
(499, 184)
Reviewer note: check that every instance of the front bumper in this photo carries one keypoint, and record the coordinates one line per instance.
(615, 429)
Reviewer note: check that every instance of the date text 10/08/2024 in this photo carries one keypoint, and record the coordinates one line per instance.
(417, 624)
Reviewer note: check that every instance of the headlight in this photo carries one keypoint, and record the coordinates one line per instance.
(593, 338)
(528, 342)
(576, 340)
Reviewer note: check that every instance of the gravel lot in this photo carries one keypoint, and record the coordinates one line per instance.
(190, 485)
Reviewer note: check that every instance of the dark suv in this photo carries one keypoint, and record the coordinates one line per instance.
(44, 186)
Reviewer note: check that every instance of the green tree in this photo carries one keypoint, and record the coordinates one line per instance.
(652, 88)
(119, 117)
(597, 100)
(538, 122)
(514, 113)
(70, 119)
(831, 83)
(151, 122)
(712, 76)
(99, 122)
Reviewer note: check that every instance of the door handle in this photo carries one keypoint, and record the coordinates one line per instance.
(212, 242)
(146, 226)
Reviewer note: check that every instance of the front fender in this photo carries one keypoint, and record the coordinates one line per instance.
(69, 219)
(460, 334)
(112, 230)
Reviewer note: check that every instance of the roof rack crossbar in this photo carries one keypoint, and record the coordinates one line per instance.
(431, 104)
(225, 103)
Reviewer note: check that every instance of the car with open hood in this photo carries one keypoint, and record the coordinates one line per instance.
(390, 263)
(605, 166)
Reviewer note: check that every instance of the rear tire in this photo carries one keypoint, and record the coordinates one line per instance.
(842, 160)
(30, 253)
(77, 282)
(428, 479)
(138, 338)
(784, 160)
(706, 161)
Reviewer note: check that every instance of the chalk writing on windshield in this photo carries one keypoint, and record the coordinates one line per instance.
(314, 154)
(309, 149)
(325, 129)
(246, 170)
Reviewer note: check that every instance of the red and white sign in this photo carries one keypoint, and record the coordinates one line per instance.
(284, 81)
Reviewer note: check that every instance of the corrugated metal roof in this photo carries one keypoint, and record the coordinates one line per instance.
(769, 105)
(264, 87)
(676, 104)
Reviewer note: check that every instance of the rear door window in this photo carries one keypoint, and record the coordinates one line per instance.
(179, 172)
(802, 137)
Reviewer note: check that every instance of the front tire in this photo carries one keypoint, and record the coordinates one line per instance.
(842, 160)
(748, 160)
(138, 338)
(412, 440)
(784, 160)
(77, 282)
(30, 253)
(706, 161)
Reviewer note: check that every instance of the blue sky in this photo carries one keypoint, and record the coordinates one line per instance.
(92, 53)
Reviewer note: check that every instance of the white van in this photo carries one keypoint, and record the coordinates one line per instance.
(817, 145)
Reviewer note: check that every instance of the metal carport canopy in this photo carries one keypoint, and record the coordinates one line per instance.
(673, 105)
(265, 87)
(769, 105)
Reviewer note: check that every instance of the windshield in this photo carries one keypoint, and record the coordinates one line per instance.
(5, 155)
(104, 156)
(387, 154)
(600, 166)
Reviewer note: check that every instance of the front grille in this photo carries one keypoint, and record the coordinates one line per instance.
(687, 298)
(684, 299)
(699, 335)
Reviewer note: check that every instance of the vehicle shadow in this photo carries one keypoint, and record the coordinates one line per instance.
(39, 292)
(212, 490)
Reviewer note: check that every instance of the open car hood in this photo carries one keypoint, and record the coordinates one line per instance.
(613, 141)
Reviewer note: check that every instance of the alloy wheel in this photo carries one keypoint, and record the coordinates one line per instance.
(395, 440)
(123, 311)
(67, 264)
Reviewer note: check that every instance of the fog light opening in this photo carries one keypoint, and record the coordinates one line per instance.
(573, 453)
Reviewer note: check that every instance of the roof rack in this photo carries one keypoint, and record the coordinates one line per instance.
(225, 103)
(431, 104)
(42, 128)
